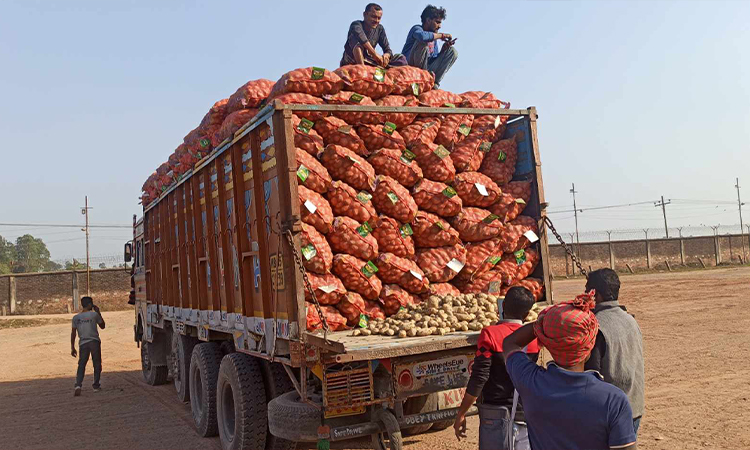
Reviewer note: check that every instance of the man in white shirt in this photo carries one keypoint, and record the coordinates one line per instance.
(89, 344)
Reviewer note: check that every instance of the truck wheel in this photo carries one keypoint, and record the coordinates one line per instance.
(292, 419)
(241, 403)
(154, 361)
(390, 439)
(277, 382)
(204, 372)
(419, 405)
(182, 351)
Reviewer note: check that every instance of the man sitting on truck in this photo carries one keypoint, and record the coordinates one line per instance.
(490, 379)
(421, 49)
(618, 351)
(89, 343)
(362, 38)
(565, 406)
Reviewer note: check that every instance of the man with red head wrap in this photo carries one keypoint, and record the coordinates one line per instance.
(566, 407)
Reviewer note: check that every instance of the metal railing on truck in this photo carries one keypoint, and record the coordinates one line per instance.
(239, 273)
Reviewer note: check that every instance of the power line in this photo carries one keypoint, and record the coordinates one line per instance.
(57, 225)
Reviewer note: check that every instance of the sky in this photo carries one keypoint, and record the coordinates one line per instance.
(636, 99)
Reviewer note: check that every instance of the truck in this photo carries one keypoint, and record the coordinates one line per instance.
(220, 303)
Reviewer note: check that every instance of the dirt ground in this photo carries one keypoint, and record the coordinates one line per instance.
(695, 326)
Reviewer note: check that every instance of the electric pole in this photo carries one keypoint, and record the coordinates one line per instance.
(739, 205)
(85, 212)
(663, 205)
(575, 214)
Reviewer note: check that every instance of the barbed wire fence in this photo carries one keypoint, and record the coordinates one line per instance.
(629, 234)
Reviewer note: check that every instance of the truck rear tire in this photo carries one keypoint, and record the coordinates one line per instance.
(153, 361)
(292, 419)
(419, 405)
(241, 403)
(390, 439)
(204, 372)
(182, 352)
(277, 382)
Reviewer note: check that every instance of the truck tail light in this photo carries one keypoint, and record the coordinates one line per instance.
(405, 378)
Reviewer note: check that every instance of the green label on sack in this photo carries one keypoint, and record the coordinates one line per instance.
(364, 229)
(204, 143)
(393, 197)
(520, 257)
(379, 75)
(440, 225)
(401, 308)
(464, 129)
(520, 201)
(369, 269)
(449, 105)
(415, 88)
(364, 197)
(407, 156)
(485, 147)
(406, 230)
(302, 173)
(449, 192)
(441, 152)
(494, 259)
(305, 125)
(309, 252)
(318, 73)
(389, 127)
(352, 159)
(356, 98)
(501, 156)
(491, 218)
(363, 321)
(346, 129)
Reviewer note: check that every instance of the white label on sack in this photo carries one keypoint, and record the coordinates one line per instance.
(416, 275)
(531, 236)
(482, 189)
(455, 265)
(327, 289)
(310, 206)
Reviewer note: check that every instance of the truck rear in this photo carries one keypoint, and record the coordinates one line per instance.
(221, 310)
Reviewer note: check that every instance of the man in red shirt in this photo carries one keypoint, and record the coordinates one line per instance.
(490, 381)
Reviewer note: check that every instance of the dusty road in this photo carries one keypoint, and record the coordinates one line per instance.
(695, 326)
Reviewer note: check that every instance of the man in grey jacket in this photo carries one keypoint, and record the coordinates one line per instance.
(618, 351)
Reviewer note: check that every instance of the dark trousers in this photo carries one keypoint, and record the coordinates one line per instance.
(439, 65)
(93, 349)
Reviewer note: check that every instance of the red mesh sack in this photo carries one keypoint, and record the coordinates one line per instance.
(523, 261)
(215, 116)
(513, 200)
(481, 257)
(500, 162)
(442, 289)
(334, 319)
(441, 264)
(435, 161)
(399, 119)
(394, 298)
(298, 98)
(314, 81)
(481, 99)
(476, 224)
(513, 237)
(432, 231)
(439, 98)
(393, 237)
(198, 142)
(374, 310)
(187, 161)
(350, 237)
(351, 306)
(374, 82)
(250, 95)
(437, 198)
(352, 98)
(453, 129)
(421, 131)
(311, 173)
(336, 131)
(397, 164)
(468, 154)
(231, 124)
(476, 189)
(343, 164)
(404, 272)
(305, 137)
(316, 253)
(535, 285)
(327, 287)
(393, 200)
(358, 276)
(488, 127)
(408, 80)
(381, 136)
(315, 210)
(490, 282)
(346, 201)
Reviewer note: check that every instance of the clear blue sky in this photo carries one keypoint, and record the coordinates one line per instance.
(636, 99)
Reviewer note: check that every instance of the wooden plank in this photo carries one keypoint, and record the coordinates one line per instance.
(190, 246)
(200, 246)
(225, 228)
(173, 294)
(539, 183)
(243, 243)
(159, 240)
(406, 109)
(261, 220)
(213, 260)
(182, 240)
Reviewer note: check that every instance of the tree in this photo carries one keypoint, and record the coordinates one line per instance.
(52, 266)
(31, 254)
(74, 265)
(7, 255)
(102, 266)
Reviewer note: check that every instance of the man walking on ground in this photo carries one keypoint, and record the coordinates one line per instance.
(567, 407)
(89, 344)
(618, 351)
(490, 380)
(362, 38)
(421, 49)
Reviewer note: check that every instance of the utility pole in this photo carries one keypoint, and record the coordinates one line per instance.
(739, 205)
(664, 211)
(575, 213)
(85, 212)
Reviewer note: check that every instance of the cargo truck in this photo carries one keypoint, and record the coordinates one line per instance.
(220, 304)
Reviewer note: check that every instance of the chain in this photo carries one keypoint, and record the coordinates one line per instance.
(308, 285)
(575, 259)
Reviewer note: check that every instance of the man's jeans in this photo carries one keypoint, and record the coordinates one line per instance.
(93, 349)
(439, 65)
(493, 429)
(636, 424)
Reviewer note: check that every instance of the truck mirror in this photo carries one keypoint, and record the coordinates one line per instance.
(128, 252)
